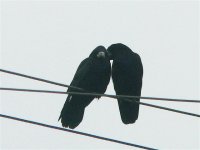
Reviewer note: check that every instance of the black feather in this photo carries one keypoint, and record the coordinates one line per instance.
(127, 73)
(92, 75)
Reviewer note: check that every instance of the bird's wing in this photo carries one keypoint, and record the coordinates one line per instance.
(127, 79)
(73, 109)
(80, 74)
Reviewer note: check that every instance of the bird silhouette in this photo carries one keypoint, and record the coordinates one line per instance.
(127, 73)
(92, 75)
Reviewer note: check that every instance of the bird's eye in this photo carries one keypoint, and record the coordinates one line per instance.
(101, 55)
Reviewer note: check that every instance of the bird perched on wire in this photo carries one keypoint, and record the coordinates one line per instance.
(92, 75)
(127, 73)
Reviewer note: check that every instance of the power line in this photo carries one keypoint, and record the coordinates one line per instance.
(77, 88)
(76, 132)
(110, 96)
(124, 97)
(39, 79)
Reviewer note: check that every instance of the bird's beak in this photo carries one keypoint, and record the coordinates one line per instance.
(101, 55)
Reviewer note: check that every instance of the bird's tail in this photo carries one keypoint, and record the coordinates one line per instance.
(129, 111)
(71, 115)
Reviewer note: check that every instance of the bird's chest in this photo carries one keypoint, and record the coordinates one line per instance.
(98, 73)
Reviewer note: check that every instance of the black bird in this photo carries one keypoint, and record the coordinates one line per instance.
(127, 73)
(92, 75)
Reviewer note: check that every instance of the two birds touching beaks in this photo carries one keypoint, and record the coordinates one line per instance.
(93, 75)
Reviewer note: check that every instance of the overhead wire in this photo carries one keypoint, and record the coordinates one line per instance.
(80, 89)
(83, 92)
(76, 132)
(39, 79)
(104, 95)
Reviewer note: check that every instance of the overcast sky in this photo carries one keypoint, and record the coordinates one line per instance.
(49, 39)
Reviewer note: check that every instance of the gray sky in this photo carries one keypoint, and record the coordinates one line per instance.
(49, 39)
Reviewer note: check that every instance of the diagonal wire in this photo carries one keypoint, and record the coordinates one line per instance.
(76, 132)
(77, 88)
(104, 95)
(40, 79)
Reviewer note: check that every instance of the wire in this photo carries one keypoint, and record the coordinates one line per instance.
(77, 88)
(76, 132)
(110, 96)
(39, 79)
(92, 94)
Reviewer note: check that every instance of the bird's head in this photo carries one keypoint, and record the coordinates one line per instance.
(99, 52)
(116, 51)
